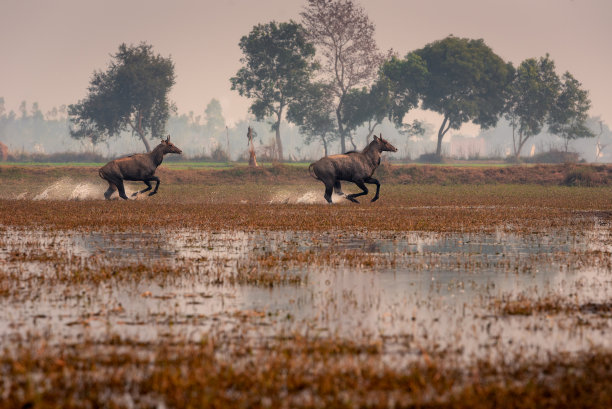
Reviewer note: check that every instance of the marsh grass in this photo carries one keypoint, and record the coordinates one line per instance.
(297, 372)
(549, 304)
(246, 366)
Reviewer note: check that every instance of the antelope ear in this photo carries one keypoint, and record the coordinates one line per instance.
(168, 138)
(375, 137)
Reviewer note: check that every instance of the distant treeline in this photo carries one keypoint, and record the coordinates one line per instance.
(32, 135)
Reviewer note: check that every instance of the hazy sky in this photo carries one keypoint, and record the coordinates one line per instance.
(50, 48)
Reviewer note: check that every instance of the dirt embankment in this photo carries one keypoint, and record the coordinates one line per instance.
(564, 174)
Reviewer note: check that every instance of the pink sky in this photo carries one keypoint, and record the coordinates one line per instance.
(49, 49)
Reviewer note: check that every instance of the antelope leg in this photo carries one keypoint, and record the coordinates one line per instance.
(110, 191)
(328, 193)
(374, 182)
(363, 187)
(121, 189)
(156, 179)
(149, 187)
(338, 188)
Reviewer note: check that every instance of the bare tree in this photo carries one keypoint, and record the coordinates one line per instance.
(344, 37)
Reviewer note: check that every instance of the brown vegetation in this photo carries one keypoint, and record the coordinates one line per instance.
(547, 175)
(196, 359)
(297, 373)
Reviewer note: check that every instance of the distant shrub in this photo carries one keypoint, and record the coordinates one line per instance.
(60, 157)
(430, 158)
(554, 156)
(582, 176)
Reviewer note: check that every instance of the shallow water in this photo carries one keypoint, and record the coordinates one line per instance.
(436, 291)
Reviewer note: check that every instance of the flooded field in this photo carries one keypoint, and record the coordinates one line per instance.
(449, 291)
(449, 298)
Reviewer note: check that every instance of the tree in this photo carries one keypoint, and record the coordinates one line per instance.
(344, 36)
(461, 79)
(313, 113)
(465, 81)
(366, 106)
(278, 63)
(405, 80)
(132, 94)
(215, 122)
(530, 99)
(569, 112)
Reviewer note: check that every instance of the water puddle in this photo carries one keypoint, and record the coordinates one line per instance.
(418, 290)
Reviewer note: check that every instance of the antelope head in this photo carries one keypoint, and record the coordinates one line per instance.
(169, 147)
(384, 145)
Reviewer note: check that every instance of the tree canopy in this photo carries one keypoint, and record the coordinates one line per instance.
(568, 113)
(344, 36)
(132, 94)
(366, 106)
(461, 79)
(278, 63)
(530, 98)
(313, 113)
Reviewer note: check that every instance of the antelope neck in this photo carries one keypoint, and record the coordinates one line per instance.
(158, 155)
(372, 152)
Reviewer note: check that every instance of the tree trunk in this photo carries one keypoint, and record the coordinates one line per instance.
(146, 143)
(441, 132)
(279, 143)
(252, 158)
(370, 131)
(514, 138)
(521, 142)
(324, 144)
(340, 129)
(138, 129)
(350, 138)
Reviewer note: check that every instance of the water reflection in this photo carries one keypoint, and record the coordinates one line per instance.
(438, 291)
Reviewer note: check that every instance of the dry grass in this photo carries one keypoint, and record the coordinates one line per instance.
(289, 370)
(600, 175)
(295, 373)
(548, 304)
(452, 212)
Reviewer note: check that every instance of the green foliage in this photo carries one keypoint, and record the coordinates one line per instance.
(530, 98)
(405, 79)
(462, 79)
(568, 114)
(278, 63)
(366, 105)
(131, 95)
(313, 113)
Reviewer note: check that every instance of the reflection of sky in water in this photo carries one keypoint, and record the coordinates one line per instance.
(449, 307)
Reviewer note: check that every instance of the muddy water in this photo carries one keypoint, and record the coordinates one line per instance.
(436, 291)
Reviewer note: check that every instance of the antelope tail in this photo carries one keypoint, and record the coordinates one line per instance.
(311, 172)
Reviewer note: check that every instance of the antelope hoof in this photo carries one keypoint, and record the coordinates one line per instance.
(135, 194)
(152, 193)
(352, 199)
(375, 198)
